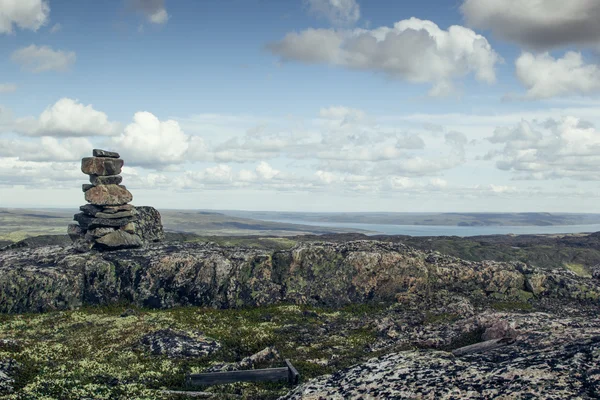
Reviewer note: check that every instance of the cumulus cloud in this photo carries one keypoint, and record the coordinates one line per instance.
(554, 149)
(39, 174)
(149, 142)
(537, 24)
(545, 76)
(7, 87)
(39, 59)
(415, 50)
(67, 117)
(154, 10)
(338, 12)
(26, 14)
(46, 149)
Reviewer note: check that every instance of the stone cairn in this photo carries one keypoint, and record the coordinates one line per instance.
(109, 222)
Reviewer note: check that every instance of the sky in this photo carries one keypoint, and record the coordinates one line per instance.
(305, 105)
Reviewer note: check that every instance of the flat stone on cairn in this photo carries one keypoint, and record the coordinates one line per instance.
(108, 222)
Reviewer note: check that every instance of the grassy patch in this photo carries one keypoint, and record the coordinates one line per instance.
(579, 270)
(511, 306)
(93, 352)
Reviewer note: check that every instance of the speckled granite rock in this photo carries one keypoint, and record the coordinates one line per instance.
(553, 358)
(265, 355)
(8, 368)
(165, 275)
(172, 343)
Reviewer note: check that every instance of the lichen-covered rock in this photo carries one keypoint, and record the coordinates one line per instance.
(108, 195)
(101, 166)
(163, 275)
(148, 224)
(557, 357)
(172, 343)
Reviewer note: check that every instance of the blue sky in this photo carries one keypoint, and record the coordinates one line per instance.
(308, 105)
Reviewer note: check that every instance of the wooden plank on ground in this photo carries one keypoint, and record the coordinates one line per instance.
(483, 346)
(253, 375)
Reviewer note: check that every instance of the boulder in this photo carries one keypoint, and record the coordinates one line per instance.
(86, 186)
(108, 195)
(119, 239)
(148, 224)
(105, 153)
(97, 180)
(101, 166)
(175, 344)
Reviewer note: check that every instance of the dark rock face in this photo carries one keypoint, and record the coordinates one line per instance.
(172, 343)
(101, 166)
(97, 180)
(164, 275)
(104, 153)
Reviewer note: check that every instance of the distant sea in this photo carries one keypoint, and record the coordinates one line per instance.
(463, 231)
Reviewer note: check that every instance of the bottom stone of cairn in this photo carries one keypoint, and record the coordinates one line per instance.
(108, 222)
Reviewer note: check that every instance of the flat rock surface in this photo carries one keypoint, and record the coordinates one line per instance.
(108, 195)
(173, 343)
(88, 222)
(119, 239)
(553, 358)
(101, 166)
(105, 180)
(105, 153)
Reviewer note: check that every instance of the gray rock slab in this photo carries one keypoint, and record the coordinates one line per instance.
(105, 153)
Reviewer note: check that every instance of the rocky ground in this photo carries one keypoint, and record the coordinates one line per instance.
(360, 320)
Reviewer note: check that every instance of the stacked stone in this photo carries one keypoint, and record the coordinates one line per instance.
(108, 221)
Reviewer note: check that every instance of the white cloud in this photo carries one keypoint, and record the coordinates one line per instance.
(265, 171)
(7, 87)
(152, 143)
(415, 50)
(46, 149)
(67, 117)
(537, 24)
(154, 10)
(545, 76)
(39, 59)
(39, 174)
(342, 113)
(338, 12)
(568, 148)
(26, 14)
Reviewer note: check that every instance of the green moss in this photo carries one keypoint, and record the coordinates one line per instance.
(579, 270)
(433, 319)
(511, 306)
